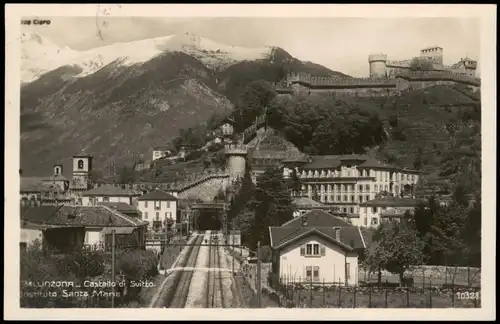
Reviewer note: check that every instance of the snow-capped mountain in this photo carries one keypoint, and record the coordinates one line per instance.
(40, 55)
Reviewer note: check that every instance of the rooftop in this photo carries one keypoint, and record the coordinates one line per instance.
(335, 161)
(392, 202)
(158, 195)
(120, 206)
(109, 190)
(318, 223)
(306, 202)
(396, 212)
(89, 216)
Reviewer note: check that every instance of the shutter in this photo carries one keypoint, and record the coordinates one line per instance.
(302, 250)
(322, 250)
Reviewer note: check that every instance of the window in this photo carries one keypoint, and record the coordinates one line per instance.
(312, 250)
(157, 216)
(352, 210)
(166, 215)
(338, 197)
(367, 187)
(157, 204)
(80, 164)
(353, 198)
(374, 210)
(316, 273)
(374, 221)
(146, 215)
(375, 188)
(105, 199)
(360, 198)
(348, 270)
(360, 188)
(344, 210)
(145, 204)
(168, 204)
(367, 197)
(308, 273)
(345, 197)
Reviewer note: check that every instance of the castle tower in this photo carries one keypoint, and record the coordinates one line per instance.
(82, 166)
(236, 160)
(470, 66)
(434, 53)
(378, 65)
(58, 169)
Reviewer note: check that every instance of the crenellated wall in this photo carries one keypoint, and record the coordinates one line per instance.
(387, 77)
(400, 80)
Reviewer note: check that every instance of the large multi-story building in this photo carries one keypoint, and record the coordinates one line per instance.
(346, 181)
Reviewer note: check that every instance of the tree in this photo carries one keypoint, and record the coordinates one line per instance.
(421, 64)
(273, 205)
(252, 102)
(375, 259)
(126, 175)
(400, 247)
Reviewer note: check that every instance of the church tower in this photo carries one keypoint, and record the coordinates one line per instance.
(58, 169)
(82, 166)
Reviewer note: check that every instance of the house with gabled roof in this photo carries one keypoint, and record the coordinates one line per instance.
(108, 193)
(159, 209)
(68, 228)
(316, 248)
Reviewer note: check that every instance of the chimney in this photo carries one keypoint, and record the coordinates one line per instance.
(304, 221)
(337, 233)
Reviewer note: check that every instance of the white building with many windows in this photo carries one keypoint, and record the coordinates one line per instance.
(159, 208)
(346, 181)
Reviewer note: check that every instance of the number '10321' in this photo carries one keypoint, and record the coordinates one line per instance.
(468, 295)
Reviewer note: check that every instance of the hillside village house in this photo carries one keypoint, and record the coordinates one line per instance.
(158, 207)
(317, 247)
(108, 193)
(227, 127)
(69, 228)
(161, 151)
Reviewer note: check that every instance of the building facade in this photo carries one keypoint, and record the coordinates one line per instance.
(108, 193)
(159, 209)
(387, 209)
(316, 248)
(345, 181)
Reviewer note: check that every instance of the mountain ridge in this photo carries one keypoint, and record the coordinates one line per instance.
(123, 109)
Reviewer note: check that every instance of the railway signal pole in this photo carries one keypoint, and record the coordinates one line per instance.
(258, 288)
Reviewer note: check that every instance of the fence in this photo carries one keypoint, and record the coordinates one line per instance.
(296, 293)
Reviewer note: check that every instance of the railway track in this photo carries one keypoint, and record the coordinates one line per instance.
(214, 290)
(180, 295)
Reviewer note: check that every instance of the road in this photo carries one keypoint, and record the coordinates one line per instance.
(203, 276)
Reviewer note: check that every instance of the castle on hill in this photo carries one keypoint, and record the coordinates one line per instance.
(387, 77)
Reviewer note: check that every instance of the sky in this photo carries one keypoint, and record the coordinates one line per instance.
(341, 44)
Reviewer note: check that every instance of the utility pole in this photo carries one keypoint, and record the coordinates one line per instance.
(259, 290)
(113, 270)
